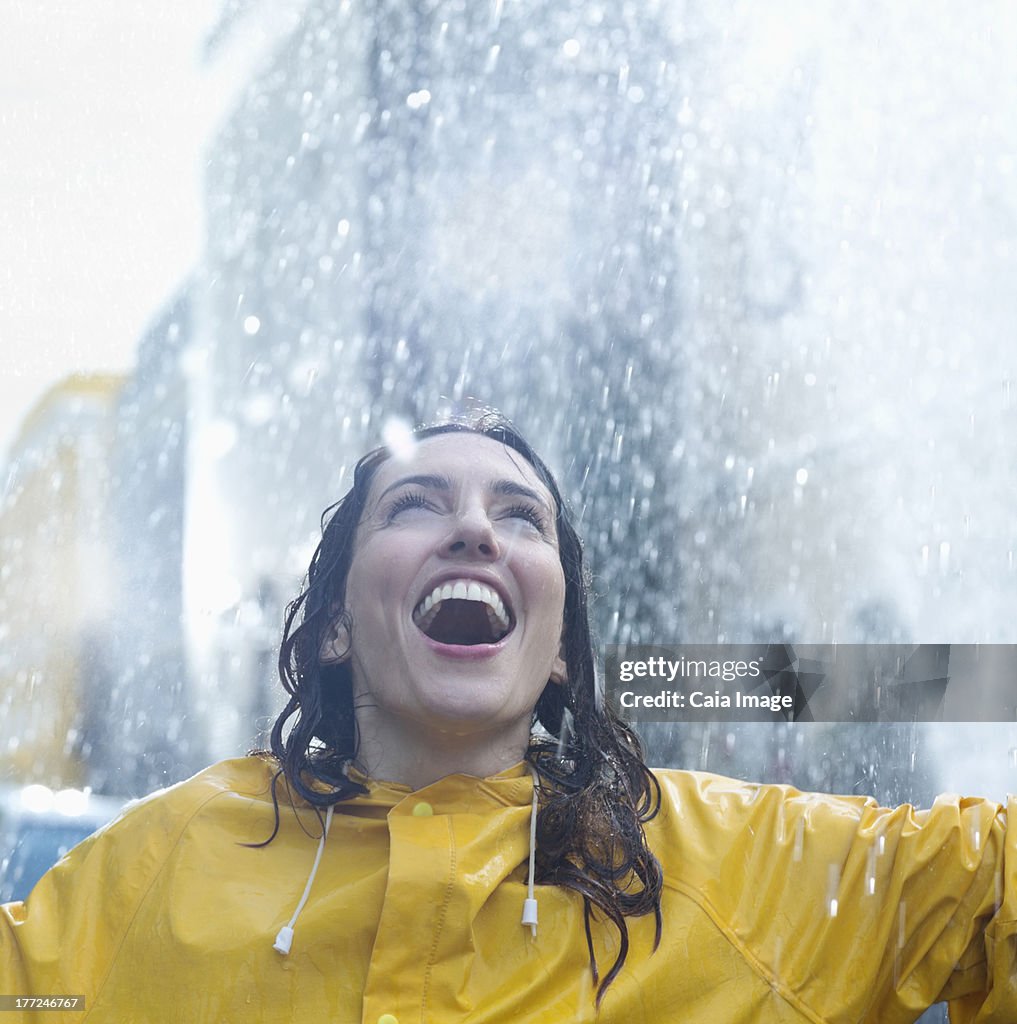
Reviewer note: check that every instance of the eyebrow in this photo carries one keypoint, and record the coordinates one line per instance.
(509, 488)
(440, 482)
(433, 482)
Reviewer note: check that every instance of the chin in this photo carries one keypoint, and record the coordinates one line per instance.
(469, 712)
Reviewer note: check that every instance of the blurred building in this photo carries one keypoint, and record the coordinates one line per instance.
(143, 728)
(55, 580)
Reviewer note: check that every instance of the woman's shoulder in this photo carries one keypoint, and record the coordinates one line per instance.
(249, 777)
(717, 801)
(727, 792)
(692, 800)
(221, 798)
(710, 813)
(740, 846)
(711, 830)
(241, 777)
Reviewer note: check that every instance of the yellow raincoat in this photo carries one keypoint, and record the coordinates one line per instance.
(778, 907)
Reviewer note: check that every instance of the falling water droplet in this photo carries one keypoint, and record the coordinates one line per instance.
(496, 9)
(832, 888)
(566, 733)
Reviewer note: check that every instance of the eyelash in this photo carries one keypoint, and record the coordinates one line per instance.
(406, 501)
(414, 500)
(531, 515)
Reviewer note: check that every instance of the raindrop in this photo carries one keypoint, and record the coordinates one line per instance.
(496, 9)
(566, 733)
(259, 408)
(832, 886)
(398, 437)
(219, 437)
(251, 325)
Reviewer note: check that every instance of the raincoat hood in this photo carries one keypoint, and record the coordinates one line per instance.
(777, 906)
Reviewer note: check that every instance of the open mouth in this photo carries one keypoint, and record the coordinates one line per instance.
(464, 613)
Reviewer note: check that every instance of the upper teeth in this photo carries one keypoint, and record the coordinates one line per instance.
(462, 590)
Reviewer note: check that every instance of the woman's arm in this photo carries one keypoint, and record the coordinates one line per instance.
(852, 911)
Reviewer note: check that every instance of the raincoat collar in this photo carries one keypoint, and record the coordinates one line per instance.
(459, 794)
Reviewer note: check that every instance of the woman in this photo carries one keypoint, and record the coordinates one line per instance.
(443, 763)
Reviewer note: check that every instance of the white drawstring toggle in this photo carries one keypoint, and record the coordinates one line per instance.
(284, 940)
(530, 914)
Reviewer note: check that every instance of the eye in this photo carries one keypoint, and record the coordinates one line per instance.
(405, 501)
(532, 515)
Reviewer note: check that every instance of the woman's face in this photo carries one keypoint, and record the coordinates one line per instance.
(455, 592)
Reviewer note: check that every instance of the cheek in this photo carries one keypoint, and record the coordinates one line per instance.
(550, 588)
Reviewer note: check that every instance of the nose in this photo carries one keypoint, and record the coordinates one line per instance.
(472, 536)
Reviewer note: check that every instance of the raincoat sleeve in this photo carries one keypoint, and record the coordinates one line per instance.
(853, 912)
(65, 937)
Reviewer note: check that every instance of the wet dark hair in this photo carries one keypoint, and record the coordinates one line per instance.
(595, 791)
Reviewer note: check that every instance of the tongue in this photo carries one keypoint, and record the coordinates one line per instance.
(463, 623)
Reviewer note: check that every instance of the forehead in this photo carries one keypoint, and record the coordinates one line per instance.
(464, 458)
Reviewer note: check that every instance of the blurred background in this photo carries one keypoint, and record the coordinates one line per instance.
(743, 272)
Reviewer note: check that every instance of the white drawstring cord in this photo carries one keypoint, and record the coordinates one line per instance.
(530, 903)
(284, 939)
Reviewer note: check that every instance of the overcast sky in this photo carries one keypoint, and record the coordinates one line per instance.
(106, 115)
